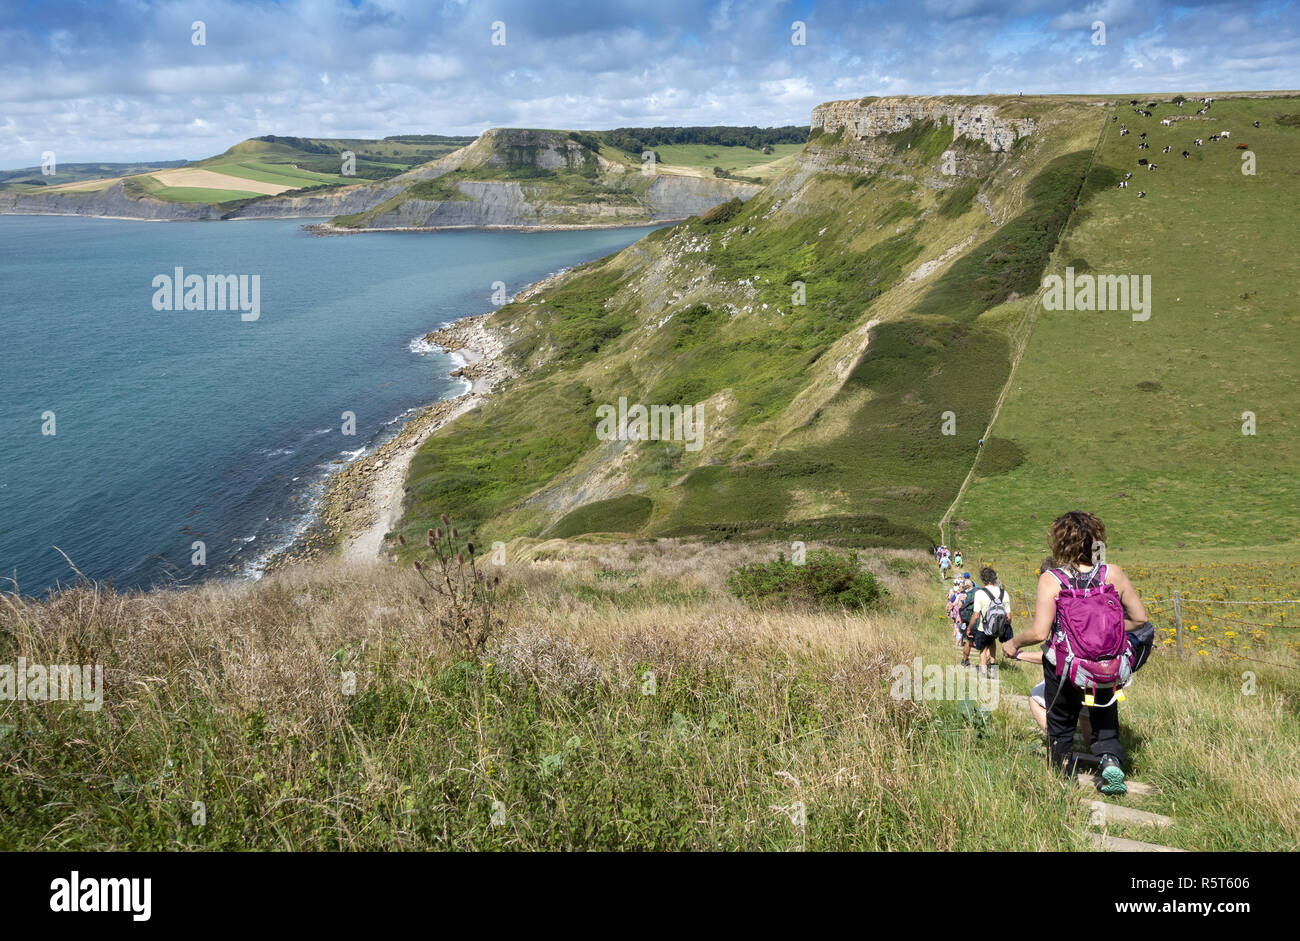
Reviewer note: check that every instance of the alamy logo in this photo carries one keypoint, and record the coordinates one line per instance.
(653, 423)
(181, 291)
(76, 894)
(932, 683)
(34, 682)
(1099, 292)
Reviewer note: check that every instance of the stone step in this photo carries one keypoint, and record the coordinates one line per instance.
(1104, 813)
(1117, 844)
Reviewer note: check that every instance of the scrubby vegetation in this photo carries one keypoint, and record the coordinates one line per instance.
(825, 578)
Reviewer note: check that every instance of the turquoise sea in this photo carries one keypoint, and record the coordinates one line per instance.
(179, 426)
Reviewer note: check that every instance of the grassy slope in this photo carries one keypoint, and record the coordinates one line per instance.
(1141, 422)
(233, 695)
(802, 437)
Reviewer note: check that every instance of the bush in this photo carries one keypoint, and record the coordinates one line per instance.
(826, 579)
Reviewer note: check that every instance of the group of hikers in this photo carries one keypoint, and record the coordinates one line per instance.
(1094, 633)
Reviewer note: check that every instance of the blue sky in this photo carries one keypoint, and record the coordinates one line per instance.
(123, 80)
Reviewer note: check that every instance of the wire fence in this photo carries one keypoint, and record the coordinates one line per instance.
(1022, 605)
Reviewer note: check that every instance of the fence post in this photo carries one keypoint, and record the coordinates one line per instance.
(1178, 622)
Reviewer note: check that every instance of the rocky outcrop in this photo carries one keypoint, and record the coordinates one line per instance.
(871, 117)
(338, 202)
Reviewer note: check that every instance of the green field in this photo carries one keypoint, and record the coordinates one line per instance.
(1142, 422)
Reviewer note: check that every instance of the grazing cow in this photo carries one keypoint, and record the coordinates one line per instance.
(1123, 184)
(1201, 111)
(1128, 176)
(1151, 166)
(1144, 146)
(1186, 155)
(1199, 142)
(1256, 124)
(1225, 134)
(1143, 135)
(1167, 149)
(1141, 193)
(1142, 161)
(1243, 147)
(1133, 101)
(1214, 137)
(1166, 122)
(1123, 131)
(1147, 113)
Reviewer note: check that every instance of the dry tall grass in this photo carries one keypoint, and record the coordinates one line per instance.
(629, 703)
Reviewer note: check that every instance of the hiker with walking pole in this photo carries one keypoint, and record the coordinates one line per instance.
(1083, 611)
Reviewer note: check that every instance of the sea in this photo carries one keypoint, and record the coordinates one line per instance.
(145, 445)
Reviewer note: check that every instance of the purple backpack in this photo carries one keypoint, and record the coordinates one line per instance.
(1088, 641)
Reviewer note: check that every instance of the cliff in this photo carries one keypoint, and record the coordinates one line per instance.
(518, 177)
(871, 117)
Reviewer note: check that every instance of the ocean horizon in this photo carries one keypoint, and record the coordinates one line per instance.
(137, 432)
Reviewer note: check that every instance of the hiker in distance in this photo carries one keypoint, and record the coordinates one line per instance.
(1083, 611)
(990, 619)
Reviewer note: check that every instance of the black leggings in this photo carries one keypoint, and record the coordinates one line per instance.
(1064, 700)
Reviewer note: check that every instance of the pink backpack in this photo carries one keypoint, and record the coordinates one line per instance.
(1088, 642)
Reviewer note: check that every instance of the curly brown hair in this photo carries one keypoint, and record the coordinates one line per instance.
(1073, 535)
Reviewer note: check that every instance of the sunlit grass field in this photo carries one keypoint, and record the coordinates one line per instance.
(1142, 422)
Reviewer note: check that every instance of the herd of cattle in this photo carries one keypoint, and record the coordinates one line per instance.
(1167, 122)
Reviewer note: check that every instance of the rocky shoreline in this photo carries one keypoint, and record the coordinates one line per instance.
(325, 229)
(365, 498)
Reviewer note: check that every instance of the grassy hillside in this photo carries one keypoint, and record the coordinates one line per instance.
(85, 175)
(629, 701)
(821, 418)
(1142, 422)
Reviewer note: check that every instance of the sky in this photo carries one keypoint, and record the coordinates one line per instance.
(122, 80)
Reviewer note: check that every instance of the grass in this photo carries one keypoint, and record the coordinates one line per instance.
(760, 317)
(1154, 415)
(199, 194)
(630, 703)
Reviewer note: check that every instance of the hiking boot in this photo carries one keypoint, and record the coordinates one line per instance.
(1112, 776)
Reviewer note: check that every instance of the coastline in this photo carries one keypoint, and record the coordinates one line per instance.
(364, 499)
(325, 229)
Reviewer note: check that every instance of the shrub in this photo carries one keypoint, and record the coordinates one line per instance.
(826, 579)
(466, 616)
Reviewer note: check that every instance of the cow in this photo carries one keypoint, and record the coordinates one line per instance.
(1167, 149)
(1123, 184)
(1166, 122)
(1151, 166)
(1143, 135)
(1256, 124)
(1141, 193)
(1186, 155)
(1225, 134)
(1123, 131)
(1144, 146)
(1199, 143)
(1142, 161)
(1129, 175)
(1243, 147)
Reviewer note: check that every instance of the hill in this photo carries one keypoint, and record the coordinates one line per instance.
(821, 418)
(514, 177)
(1142, 421)
(506, 177)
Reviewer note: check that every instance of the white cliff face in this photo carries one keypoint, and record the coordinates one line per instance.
(872, 117)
